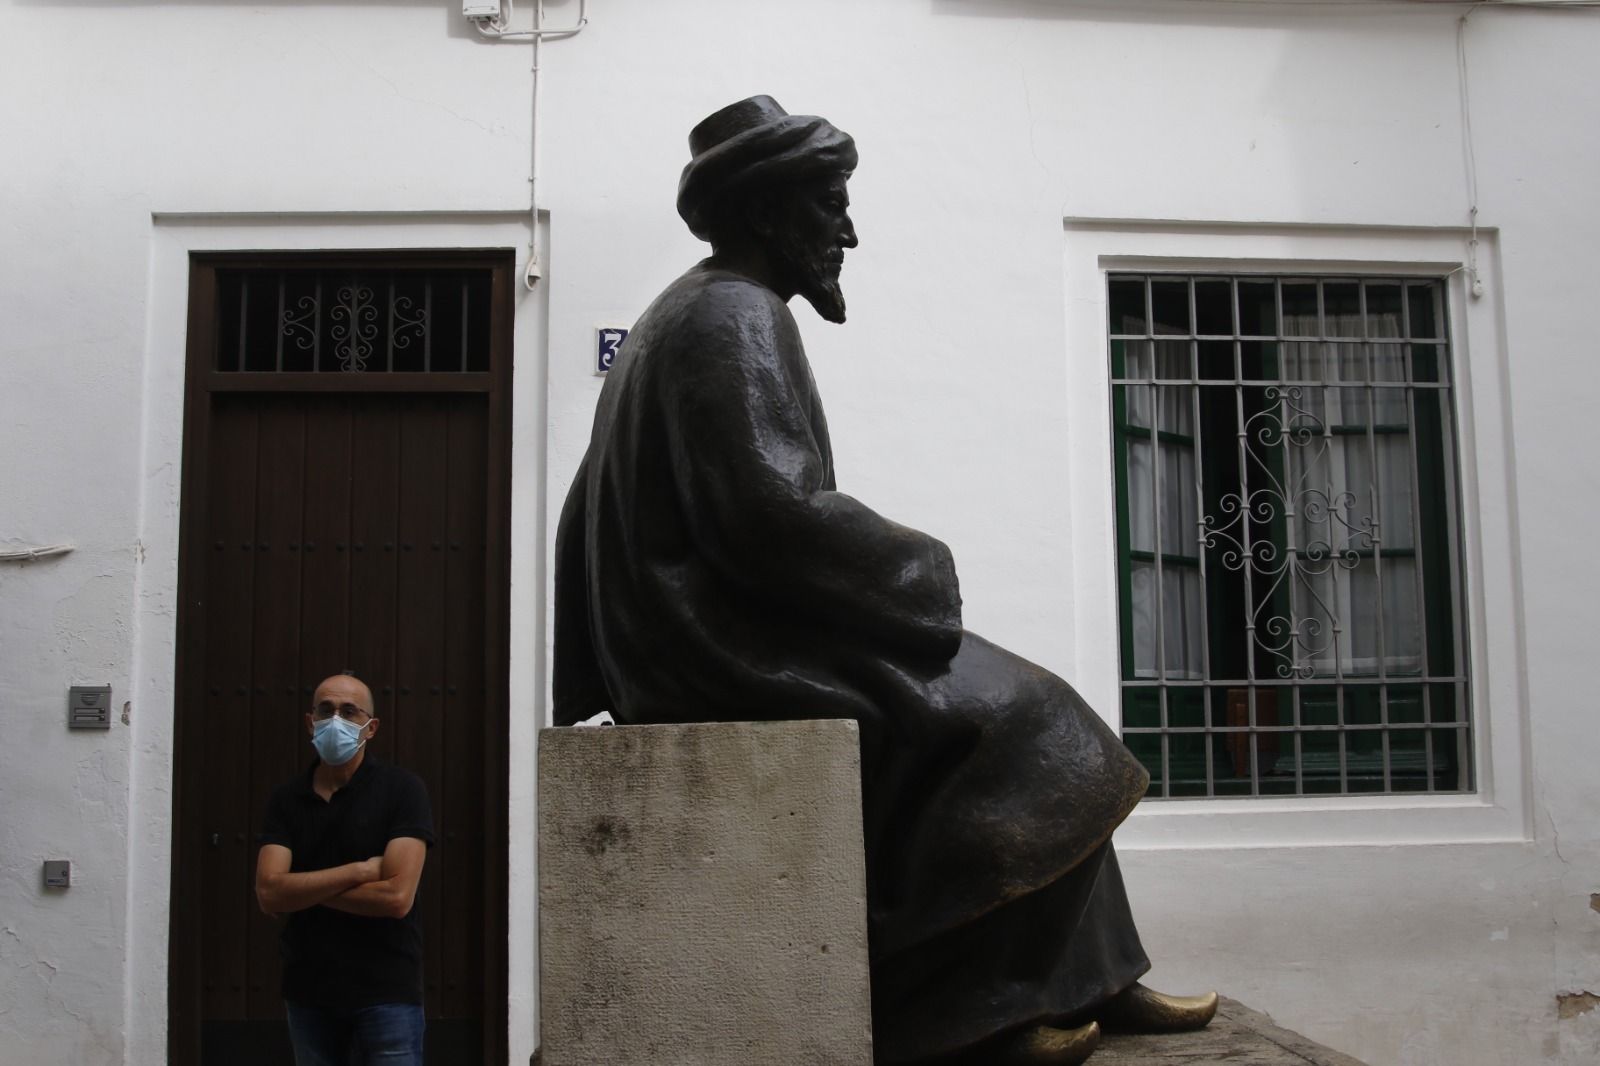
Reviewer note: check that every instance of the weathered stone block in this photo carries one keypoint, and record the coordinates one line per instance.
(702, 896)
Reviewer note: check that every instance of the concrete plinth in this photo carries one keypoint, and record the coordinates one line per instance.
(702, 896)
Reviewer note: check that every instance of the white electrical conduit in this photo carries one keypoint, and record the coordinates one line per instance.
(23, 555)
(1468, 150)
(499, 30)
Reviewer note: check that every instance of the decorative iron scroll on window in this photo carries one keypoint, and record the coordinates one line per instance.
(1296, 639)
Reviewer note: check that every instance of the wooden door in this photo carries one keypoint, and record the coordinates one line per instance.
(357, 523)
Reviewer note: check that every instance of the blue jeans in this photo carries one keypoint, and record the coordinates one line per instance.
(388, 1034)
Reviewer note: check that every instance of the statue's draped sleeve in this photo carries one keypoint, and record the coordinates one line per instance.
(578, 686)
(756, 488)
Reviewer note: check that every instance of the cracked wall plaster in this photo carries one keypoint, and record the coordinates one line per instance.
(1572, 1004)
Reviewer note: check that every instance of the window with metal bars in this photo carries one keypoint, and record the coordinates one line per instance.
(1287, 536)
(340, 320)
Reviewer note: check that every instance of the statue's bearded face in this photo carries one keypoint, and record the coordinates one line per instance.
(811, 237)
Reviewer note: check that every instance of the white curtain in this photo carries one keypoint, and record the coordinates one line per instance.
(1165, 501)
(1351, 486)
(1348, 479)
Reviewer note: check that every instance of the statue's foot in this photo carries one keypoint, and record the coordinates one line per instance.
(1137, 1009)
(1044, 1045)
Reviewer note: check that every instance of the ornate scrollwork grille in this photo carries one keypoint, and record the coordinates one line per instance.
(1294, 643)
(1287, 535)
(353, 321)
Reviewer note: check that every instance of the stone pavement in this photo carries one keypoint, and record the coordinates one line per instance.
(1238, 1037)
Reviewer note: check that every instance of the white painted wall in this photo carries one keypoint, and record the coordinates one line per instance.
(960, 396)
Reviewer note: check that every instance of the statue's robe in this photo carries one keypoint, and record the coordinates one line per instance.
(708, 570)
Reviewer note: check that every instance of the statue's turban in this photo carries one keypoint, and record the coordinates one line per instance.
(754, 143)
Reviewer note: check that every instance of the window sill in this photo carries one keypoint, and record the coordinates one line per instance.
(1319, 821)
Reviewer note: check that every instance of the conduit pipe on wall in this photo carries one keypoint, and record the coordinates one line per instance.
(24, 555)
(499, 30)
(1468, 151)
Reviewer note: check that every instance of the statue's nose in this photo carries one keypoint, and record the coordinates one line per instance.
(847, 236)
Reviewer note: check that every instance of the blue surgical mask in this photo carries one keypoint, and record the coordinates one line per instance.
(337, 740)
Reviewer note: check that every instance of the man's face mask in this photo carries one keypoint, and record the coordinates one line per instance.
(337, 740)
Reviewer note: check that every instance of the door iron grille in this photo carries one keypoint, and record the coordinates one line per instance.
(322, 320)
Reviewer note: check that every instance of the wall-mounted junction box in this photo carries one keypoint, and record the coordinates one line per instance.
(89, 707)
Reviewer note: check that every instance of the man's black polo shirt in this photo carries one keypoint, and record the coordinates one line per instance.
(330, 958)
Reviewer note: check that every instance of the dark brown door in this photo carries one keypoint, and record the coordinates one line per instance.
(339, 520)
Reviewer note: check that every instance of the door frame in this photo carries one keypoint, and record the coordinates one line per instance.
(201, 383)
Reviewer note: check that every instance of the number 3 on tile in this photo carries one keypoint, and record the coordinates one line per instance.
(608, 341)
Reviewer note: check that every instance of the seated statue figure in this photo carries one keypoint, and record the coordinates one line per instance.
(708, 570)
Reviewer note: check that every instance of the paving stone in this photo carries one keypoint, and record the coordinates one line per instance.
(1238, 1037)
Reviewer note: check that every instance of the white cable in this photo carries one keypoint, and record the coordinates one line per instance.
(499, 29)
(1468, 149)
(24, 555)
(530, 276)
(1475, 281)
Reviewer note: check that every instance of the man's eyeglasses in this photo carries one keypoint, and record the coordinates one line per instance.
(348, 711)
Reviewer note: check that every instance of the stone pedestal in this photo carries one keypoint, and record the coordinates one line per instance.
(702, 896)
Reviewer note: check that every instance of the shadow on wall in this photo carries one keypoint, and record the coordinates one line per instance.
(1171, 12)
(456, 25)
(1301, 112)
(1361, 117)
(453, 10)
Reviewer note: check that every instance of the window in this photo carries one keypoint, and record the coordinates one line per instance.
(1287, 537)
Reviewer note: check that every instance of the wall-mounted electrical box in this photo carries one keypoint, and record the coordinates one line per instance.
(57, 873)
(481, 9)
(89, 707)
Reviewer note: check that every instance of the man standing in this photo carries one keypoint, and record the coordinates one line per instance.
(342, 848)
(709, 569)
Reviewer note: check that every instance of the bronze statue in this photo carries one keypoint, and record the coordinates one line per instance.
(708, 569)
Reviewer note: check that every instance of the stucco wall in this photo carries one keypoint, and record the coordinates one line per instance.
(135, 130)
